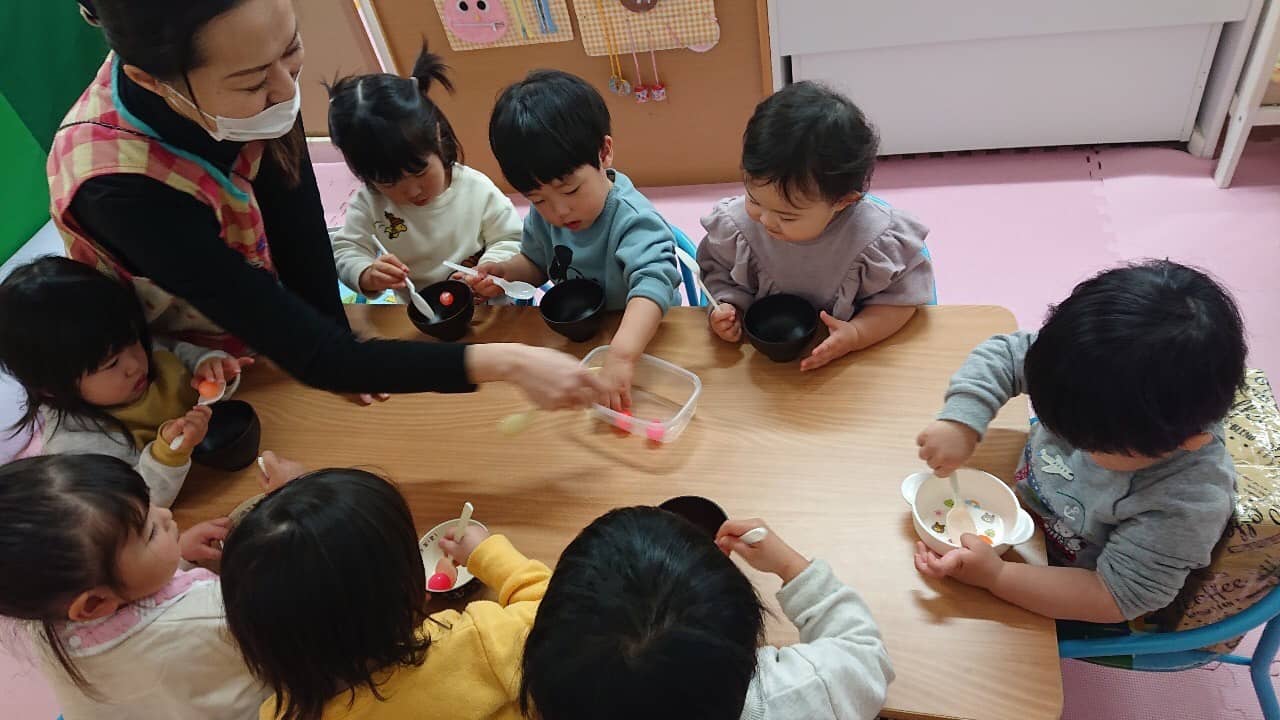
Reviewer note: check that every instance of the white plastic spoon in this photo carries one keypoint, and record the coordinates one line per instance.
(754, 536)
(460, 529)
(414, 297)
(515, 289)
(692, 264)
(177, 442)
(959, 519)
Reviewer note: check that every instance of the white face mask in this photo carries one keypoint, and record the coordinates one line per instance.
(276, 121)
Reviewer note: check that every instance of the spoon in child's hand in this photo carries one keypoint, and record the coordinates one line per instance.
(210, 392)
(959, 519)
(418, 301)
(515, 289)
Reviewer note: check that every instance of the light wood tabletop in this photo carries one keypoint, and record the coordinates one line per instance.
(819, 455)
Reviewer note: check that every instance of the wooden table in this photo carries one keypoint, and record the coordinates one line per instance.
(820, 456)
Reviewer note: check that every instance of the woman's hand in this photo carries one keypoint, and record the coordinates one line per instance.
(551, 379)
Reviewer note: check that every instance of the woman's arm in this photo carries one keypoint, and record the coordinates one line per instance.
(168, 236)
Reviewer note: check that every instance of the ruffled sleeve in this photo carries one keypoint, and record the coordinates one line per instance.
(724, 256)
(894, 269)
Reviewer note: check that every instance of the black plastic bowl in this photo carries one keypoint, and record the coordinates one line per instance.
(700, 511)
(452, 321)
(781, 326)
(574, 308)
(232, 441)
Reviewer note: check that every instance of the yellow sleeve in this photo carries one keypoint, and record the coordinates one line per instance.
(161, 452)
(500, 566)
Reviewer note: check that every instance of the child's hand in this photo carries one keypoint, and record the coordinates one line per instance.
(386, 273)
(843, 340)
(946, 445)
(976, 563)
(482, 284)
(203, 542)
(771, 555)
(365, 399)
(219, 369)
(617, 374)
(192, 427)
(276, 471)
(460, 550)
(725, 323)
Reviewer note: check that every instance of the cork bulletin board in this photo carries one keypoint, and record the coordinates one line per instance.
(694, 137)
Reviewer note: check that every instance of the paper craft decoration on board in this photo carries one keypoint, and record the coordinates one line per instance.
(624, 27)
(481, 24)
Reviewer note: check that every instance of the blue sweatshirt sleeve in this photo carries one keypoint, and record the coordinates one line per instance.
(646, 249)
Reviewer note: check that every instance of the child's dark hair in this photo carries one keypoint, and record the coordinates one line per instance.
(63, 521)
(386, 126)
(324, 587)
(547, 126)
(1138, 359)
(60, 319)
(644, 618)
(810, 141)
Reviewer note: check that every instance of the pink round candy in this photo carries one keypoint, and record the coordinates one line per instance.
(439, 582)
(655, 431)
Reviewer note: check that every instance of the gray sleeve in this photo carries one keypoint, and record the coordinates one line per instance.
(163, 481)
(840, 670)
(1147, 558)
(535, 241)
(647, 252)
(992, 375)
(895, 269)
(724, 260)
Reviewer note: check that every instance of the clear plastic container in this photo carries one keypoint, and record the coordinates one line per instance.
(663, 398)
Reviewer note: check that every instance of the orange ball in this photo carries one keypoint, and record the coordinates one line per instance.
(986, 540)
(210, 389)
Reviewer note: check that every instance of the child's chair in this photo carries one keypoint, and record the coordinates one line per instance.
(1182, 650)
(1202, 627)
(691, 290)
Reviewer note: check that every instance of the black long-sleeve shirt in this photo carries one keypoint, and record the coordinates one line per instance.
(168, 236)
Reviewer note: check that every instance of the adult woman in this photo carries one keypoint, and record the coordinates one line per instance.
(183, 168)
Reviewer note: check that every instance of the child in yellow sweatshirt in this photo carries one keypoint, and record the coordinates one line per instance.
(325, 592)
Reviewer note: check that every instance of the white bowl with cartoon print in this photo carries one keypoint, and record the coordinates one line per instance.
(994, 508)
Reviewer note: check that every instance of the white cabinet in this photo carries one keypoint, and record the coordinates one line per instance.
(1009, 73)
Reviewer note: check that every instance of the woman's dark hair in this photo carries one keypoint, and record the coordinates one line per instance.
(386, 126)
(547, 126)
(324, 587)
(810, 141)
(644, 618)
(162, 38)
(60, 319)
(1138, 359)
(63, 522)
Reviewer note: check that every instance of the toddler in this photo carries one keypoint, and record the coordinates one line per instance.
(326, 594)
(550, 133)
(646, 617)
(92, 567)
(806, 226)
(1125, 470)
(418, 199)
(77, 341)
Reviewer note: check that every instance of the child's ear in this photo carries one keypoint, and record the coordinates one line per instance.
(93, 604)
(847, 200)
(606, 153)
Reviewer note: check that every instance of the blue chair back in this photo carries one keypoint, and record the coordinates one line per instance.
(691, 290)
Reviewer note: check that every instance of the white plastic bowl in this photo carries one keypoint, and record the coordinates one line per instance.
(929, 497)
(429, 546)
(663, 398)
